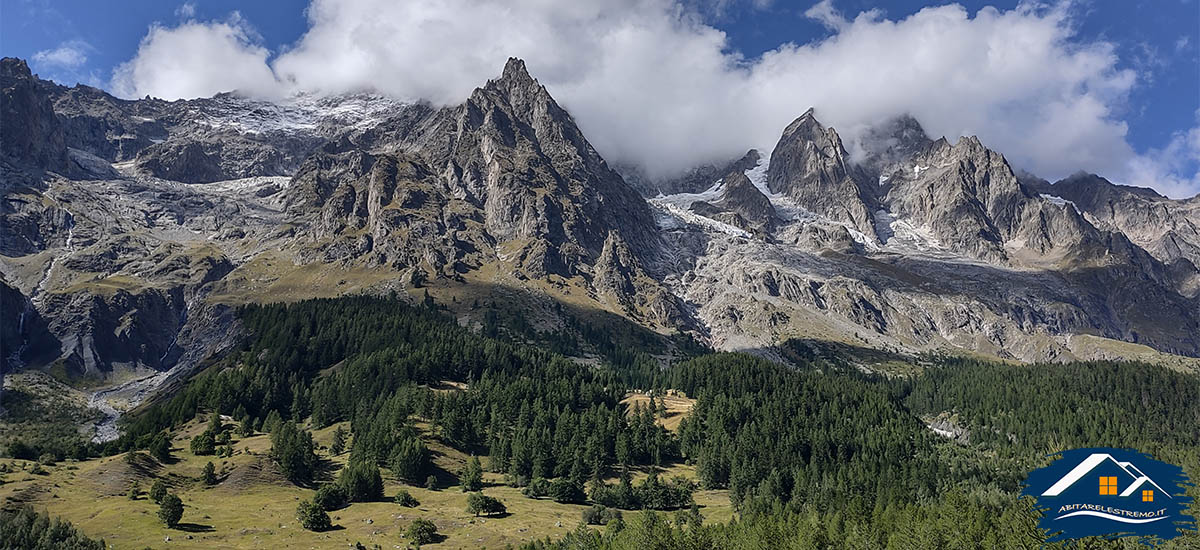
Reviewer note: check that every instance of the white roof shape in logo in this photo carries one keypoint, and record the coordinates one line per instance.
(1090, 463)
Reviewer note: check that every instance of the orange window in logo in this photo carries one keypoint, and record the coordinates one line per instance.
(1108, 485)
(1147, 496)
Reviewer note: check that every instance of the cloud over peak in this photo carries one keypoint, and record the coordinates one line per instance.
(198, 59)
(651, 83)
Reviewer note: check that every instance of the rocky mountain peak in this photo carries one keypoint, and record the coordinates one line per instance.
(806, 126)
(742, 205)
(810, 164)
(32, 136)
(515, 72)
(514, 151)
(518, 88)
(13, 68)
(890, 142)
(1083, 185)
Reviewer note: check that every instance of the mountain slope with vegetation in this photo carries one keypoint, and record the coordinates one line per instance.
(819, 455)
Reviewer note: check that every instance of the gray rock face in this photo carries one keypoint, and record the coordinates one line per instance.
(506, 168)
(24, 332)
(891, 142)
(107, 127)
(967, 195)
(741, 204)
(511, 150)
(1167, 229)
(32, 136)
(810, 165)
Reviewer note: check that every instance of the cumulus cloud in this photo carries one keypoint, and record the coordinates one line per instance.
(70, 55)
(651, 83)
(197, 59)
(1167, 169)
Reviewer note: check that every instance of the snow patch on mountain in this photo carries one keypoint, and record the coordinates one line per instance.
(669, 215)
(1059, 201)
(301, 112)
(785, 206)
(900, 235)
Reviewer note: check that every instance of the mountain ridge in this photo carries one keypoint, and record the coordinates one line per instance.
(132, 228)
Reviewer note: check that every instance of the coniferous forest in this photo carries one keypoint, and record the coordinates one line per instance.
(816, 455)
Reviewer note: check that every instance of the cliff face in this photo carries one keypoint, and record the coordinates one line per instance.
(32, 137)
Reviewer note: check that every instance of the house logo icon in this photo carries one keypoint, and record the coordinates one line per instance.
(1110, 492)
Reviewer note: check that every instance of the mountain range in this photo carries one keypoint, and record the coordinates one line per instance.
(131, 230)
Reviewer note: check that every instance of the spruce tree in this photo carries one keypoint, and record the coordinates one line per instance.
(471, 477)
(209, 475)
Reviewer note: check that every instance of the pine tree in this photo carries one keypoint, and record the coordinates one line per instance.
(339, 441)
(471, 477)
(209, 475)
(361, 481)
(160, 447)
(214, 425)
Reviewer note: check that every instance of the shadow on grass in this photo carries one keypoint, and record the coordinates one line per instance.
(445, 479)
(194, 528)
(436, 538)
(324, 472)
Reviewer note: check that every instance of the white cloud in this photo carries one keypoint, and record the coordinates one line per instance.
(197, 59)
(1167, 169)
(827, 15)
(187, 10)
(650, 83)
(69, 55)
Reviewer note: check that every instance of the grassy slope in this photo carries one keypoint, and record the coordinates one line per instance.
(253, 507)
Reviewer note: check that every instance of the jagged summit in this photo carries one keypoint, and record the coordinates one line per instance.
(811, 165)
(806, 126)
(32, 136)
(892, 141)
(515, 71)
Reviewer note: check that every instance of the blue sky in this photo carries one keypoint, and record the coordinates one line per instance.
(1142, 103)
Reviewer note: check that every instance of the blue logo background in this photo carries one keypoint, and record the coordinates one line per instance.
(1110, 492)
